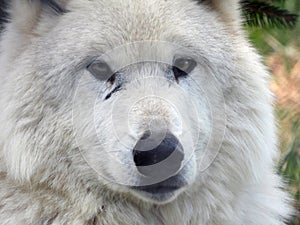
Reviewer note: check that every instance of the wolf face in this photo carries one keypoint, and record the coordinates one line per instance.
(154, 121)
(145, 99)
(125, 78)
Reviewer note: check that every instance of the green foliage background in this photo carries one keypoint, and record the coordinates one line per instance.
(284, 43)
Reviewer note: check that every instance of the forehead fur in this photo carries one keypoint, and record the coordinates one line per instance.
(130, 15)
(135, 20)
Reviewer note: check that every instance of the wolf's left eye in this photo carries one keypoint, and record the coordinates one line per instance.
(100, 70)
(183, 66)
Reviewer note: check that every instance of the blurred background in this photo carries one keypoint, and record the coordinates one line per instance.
(279, 43)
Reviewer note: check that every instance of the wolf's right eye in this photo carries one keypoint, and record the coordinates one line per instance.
(183, 66)
(100, 70)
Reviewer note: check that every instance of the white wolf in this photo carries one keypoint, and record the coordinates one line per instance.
(135, 112)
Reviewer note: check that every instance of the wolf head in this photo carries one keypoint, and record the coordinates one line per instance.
(149, 98)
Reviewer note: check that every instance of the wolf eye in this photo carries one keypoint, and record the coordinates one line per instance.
(100, 70)
(183, 66)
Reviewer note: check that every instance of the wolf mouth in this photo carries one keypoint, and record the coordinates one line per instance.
(164, 190)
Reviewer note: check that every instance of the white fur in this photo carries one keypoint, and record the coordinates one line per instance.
(48, 113)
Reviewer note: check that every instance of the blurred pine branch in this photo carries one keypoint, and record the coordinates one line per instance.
(266, 14)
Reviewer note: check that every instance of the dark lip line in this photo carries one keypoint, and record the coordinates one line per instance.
(177, 184)
(159, 186)
(163, 187)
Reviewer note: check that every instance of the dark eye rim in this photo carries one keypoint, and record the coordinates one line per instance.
(107, 75)
(179, 72)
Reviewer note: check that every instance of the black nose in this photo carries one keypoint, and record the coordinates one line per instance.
(157, 153)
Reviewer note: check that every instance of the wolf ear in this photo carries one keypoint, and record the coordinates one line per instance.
(53, 6)
(25, 14)
(26, 19)
(228, 10)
